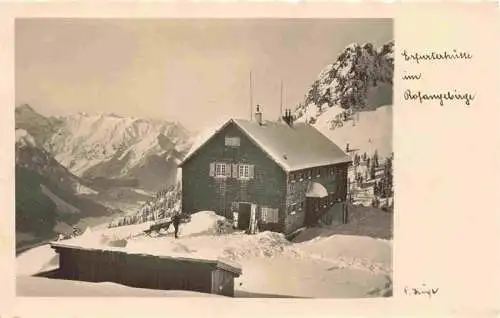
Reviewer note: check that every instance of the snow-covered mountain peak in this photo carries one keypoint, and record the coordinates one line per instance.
(87, 140)
(347, 81)
(110, 146)
(23, 138)
(106, 145)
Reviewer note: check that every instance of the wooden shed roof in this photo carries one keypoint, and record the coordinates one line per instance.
(221, 263)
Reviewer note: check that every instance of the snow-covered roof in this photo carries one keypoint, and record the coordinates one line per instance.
(221, 263)
(295, 147)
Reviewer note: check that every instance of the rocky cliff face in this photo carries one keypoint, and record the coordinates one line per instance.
(359, 79)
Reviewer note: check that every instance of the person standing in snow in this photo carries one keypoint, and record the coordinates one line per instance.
(176, 220)
(76, 231)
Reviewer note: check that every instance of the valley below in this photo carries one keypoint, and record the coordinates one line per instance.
(87, 170)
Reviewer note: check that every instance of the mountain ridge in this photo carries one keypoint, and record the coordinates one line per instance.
(109, 146)
(48, 196)
(346, 83)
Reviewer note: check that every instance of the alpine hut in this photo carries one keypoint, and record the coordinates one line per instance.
(283, 174)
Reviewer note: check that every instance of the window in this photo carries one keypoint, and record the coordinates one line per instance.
(233, 141)
(269, 215)
(220, 169)
(244, 171)
(237, 171)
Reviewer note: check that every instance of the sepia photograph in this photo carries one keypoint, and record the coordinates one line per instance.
(245, 158)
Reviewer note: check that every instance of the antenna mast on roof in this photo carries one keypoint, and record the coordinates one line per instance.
(251, 97)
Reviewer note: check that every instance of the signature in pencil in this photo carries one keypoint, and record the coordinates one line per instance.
(421, 291)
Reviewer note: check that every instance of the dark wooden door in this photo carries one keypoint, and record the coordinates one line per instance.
(244, 215)
(312, 211)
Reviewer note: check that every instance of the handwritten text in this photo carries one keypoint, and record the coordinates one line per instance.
(441, 97)
(438, 95)
(436, 56)
(419, 291)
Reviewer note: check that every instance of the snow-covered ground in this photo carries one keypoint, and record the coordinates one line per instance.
(36, 286)
(321, 266)
(363, 222)
(36, 260)
(372, 130)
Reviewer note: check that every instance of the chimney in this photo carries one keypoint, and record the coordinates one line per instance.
(288, 118)
(258, 115)
(285, 116)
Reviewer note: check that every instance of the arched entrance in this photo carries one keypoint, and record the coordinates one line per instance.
(314, 195)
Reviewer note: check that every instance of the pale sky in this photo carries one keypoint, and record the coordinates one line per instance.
(192, 71)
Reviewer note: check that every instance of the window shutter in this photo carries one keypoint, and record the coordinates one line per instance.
(251, 171)
(235, 170)
(228, 170)
(212, 169)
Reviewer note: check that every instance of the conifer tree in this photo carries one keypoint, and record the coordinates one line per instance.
(356, 160)
(386, 182)
(375, 159)
(372, 171)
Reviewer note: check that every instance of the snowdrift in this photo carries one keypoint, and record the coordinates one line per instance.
(37, 286)
(36, 260)
(206, 223)
(371, 254)
(322, 266)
